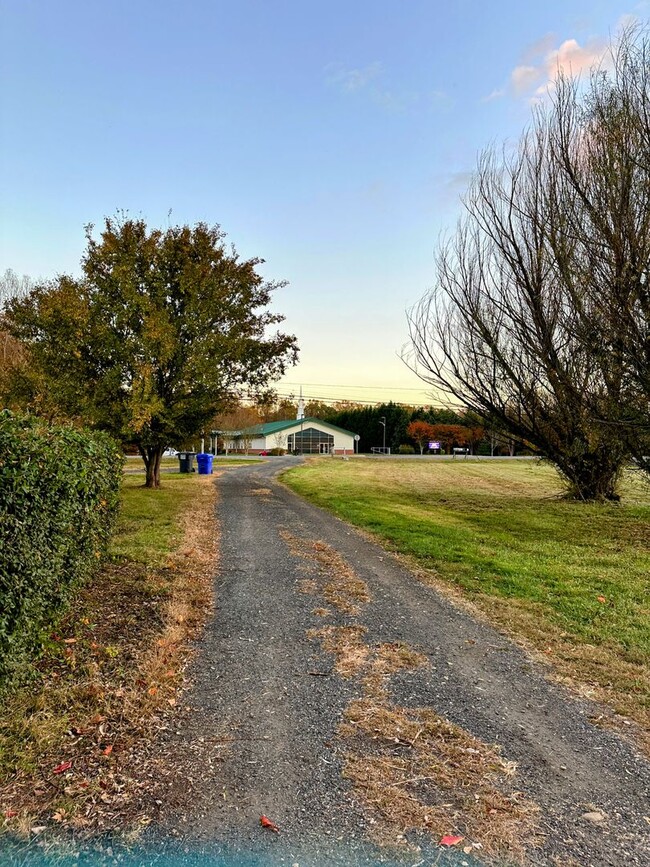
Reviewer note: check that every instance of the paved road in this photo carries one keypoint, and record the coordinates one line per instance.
(261, 736)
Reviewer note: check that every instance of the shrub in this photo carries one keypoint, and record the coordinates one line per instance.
(277, 452)
(405, 449)
(59, 492)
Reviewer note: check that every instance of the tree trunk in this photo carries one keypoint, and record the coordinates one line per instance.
(593, 475)
(151, 457)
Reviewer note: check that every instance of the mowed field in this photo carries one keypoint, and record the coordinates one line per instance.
(570, 579)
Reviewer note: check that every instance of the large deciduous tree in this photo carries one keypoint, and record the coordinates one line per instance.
(162, 330)
(539, 316)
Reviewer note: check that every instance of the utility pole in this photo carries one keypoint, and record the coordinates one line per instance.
(383, 422)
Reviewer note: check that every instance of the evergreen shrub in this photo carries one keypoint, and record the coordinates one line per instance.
(59, 490)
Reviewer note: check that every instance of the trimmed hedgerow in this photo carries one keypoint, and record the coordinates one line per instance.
(59, 492)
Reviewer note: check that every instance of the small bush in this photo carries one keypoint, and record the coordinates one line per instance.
(277, 452)
(405, 449)
(59, 492)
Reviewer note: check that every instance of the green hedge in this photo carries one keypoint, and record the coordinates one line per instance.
(59, 491)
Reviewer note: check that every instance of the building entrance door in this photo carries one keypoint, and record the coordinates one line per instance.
(324, 448)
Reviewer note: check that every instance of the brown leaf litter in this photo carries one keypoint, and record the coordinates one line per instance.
(99, 702)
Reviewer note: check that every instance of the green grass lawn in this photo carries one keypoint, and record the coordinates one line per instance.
(501, 533)
(147, 525)
(136, 464)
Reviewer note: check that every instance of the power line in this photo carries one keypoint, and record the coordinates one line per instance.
(364, 387)
(331, 400)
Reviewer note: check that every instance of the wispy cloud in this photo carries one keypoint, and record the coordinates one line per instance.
(497, 93)
(370, 80)
(350, 79)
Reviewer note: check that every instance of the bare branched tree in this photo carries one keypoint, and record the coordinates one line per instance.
(601, 146)
(539, 314)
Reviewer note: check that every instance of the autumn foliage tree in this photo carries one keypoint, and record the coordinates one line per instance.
(162, 330)
(450, 435)
(421, 432)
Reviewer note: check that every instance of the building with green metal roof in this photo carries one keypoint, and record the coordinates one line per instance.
(309, 436)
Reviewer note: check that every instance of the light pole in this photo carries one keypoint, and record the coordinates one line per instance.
(382, 421)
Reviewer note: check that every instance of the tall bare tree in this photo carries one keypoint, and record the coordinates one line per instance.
(534, 316)
(600, 144)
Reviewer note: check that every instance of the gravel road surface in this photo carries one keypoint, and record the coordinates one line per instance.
(266, 703)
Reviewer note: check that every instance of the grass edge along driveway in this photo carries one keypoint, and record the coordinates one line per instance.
(569, 579)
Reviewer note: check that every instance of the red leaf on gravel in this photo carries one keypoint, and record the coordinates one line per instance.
(64, 766)
(450, 840)
(108, 750)
(265, 822)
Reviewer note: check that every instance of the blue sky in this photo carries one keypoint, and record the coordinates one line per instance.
(330, 138)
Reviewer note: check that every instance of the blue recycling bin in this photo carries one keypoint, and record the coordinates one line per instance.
(204, 461)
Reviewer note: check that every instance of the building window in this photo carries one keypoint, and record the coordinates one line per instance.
(310, 442)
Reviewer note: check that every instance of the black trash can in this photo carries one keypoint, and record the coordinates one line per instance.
(186, 462)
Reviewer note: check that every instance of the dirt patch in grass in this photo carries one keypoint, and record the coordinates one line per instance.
(73, 741)
(342, 587)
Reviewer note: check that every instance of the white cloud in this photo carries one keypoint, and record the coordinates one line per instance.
(350, 80)
(571, 59)
(525, 78)
(547, 58)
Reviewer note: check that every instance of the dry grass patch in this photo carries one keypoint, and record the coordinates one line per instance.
(263, 492)
(414, 771)
(322, 612)
(346, 643)
(73, 742)
(342, 588)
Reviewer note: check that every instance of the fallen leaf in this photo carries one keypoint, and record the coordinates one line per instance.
(69, 640)
(60, 769)
(107, 750)
(152, 690)
(265, 822)
(9, 814)
(98, 718)
(601, 598)
(450, 840)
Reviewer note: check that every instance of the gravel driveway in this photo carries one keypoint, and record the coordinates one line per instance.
(266, 702)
